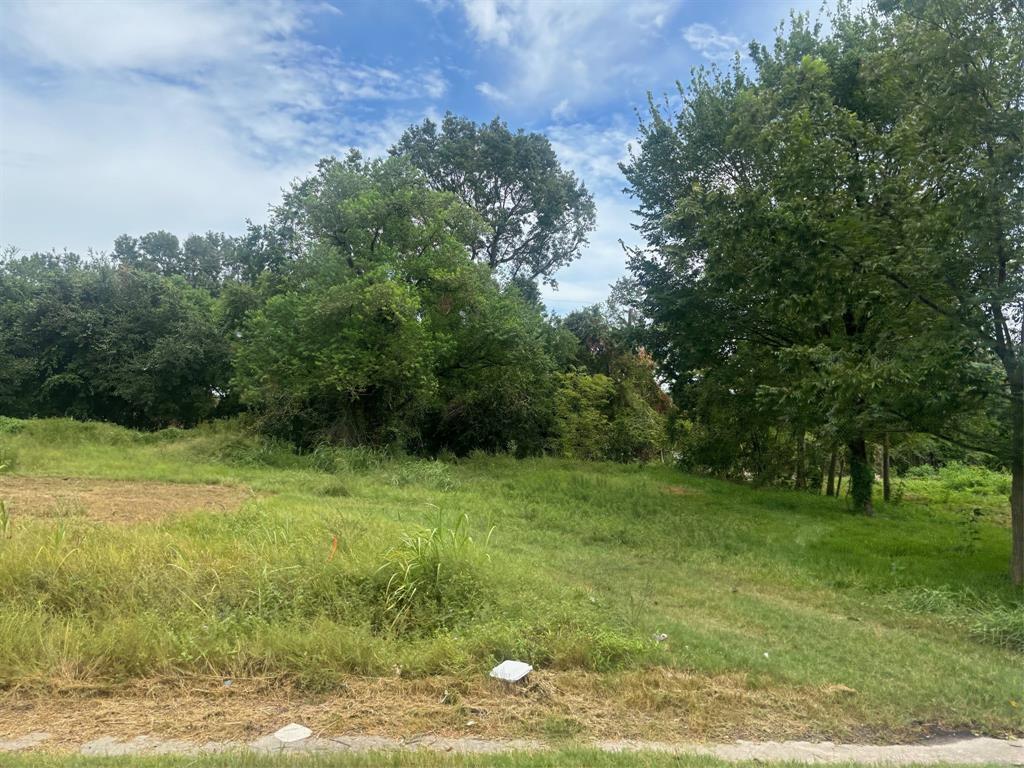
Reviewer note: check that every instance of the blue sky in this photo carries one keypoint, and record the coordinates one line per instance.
(186, 116)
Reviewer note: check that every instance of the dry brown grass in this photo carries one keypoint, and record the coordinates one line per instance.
(655, 704)
(113, 501)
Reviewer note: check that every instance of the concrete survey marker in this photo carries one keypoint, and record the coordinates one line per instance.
(511, 671)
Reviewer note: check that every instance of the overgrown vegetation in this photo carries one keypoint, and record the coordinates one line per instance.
(830, 284)
(569, 565)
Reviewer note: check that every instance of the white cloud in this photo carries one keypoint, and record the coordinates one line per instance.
(583, 47)
(184, 116)
(563, 110)
(706, 39)
(491, 92)
(594, 153)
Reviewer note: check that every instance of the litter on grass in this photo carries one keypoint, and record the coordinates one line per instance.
(511, 671)
(292, 732)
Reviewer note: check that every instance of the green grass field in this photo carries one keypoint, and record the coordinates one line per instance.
(345, 565)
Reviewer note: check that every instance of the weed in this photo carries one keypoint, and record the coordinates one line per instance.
(8, 459)
(970, 532)
(433, 474)
(432, 579)
(1000, 625)
(335, 490)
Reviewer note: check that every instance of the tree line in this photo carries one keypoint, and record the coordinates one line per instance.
(832, 261)
(390, 301)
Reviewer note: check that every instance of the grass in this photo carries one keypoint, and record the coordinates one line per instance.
(358, 563)
(552, 759)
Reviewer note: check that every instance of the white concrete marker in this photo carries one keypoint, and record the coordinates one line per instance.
(292, 732)
(511, 671)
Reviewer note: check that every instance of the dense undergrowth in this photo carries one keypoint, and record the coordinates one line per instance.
(353, 561)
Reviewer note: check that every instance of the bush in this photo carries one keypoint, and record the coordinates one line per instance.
(964, 477)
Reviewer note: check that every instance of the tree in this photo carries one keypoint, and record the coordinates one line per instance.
(204, 261)
(952, 76)
(887, 160)
(610, 404)
(539, 214)
(384, 330)
(761, 206)
(88, 340)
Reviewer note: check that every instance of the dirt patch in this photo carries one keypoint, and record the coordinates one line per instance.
(113, 501)
(656, 704)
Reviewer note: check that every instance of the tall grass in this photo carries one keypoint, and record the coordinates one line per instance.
(336, 567)
(433, 579)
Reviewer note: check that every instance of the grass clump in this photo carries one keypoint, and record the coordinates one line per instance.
(433, 474)
(433, 579)
(1000, 625)
(985, 618)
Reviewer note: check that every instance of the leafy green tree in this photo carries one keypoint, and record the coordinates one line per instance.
(760, 204)
(610, 404)
(88, 340)
(384, 329)
(951, 76)
(539, 214)
(583, 415)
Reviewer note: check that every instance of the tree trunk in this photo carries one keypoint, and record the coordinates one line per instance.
(886, 485)
(801, 474)
(839, 477)
(1017, 479)
(862, 476)
(830, 488)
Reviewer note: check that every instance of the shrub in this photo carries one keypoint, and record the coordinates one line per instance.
(964, 477)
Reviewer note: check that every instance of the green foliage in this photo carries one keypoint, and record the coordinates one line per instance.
(582, 406)
(958, 476)
(386, 332)
(609, 404)
(84, 339)
(538, 214)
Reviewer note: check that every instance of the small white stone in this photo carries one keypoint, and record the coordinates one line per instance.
(292, 732)
(511, 671)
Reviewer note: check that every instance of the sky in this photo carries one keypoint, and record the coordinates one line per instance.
(128, 117)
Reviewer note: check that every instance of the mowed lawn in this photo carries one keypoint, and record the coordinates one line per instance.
(785, 615)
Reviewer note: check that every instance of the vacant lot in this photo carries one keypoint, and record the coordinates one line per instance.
(207, 584)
